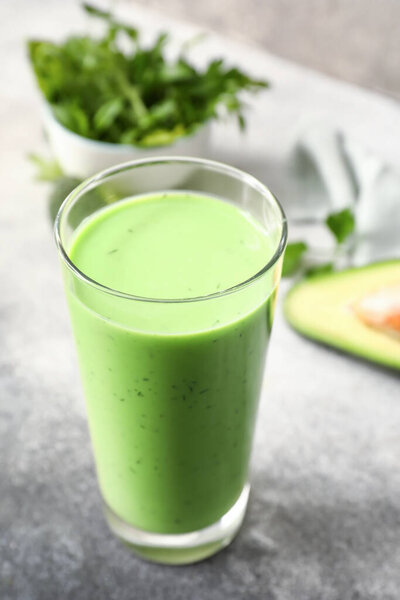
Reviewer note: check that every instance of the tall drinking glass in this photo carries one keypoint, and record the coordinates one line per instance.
(171, 268)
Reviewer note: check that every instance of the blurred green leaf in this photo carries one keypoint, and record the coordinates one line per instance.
(46, 169)
(96, 12)
(107, 113)
(162, 137)
(319, 270)
(341, 224)
(293, 258)
(72, 117)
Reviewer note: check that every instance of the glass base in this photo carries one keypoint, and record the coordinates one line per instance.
(183, 548)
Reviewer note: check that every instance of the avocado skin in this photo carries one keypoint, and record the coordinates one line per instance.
(319, 309)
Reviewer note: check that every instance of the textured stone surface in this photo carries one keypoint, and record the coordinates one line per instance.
(324, 517)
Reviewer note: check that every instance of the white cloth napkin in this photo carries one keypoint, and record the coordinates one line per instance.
(334, 172)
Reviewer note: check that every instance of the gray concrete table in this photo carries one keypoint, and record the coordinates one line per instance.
(324, 516)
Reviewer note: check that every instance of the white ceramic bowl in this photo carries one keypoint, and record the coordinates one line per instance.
(82, 157)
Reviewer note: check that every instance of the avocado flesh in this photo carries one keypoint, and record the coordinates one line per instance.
(321, 308)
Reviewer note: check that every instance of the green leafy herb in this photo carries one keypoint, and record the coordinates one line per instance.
(341, 224)
(319, 270)
(116, 90)
(293, 258)
(46, 169)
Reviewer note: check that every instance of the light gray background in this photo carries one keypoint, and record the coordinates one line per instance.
(355, 40)
(324, 516)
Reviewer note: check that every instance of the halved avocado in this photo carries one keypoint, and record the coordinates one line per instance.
(321, 308)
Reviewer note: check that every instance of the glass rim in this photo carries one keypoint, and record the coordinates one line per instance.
(217, 166)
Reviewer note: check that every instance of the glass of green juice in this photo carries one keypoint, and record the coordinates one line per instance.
(171, 268)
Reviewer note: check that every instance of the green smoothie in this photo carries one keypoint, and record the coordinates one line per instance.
(171, 388)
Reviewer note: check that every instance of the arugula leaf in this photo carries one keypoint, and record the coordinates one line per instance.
(72, 117)
(114, 26)
(96, 12)
(293, 257)
(114, 89)
(341, 224)
(105, 116)
(319, 270)
(46, 169)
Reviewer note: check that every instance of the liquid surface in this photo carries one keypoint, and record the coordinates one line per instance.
(171, 246)
(171, 389)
